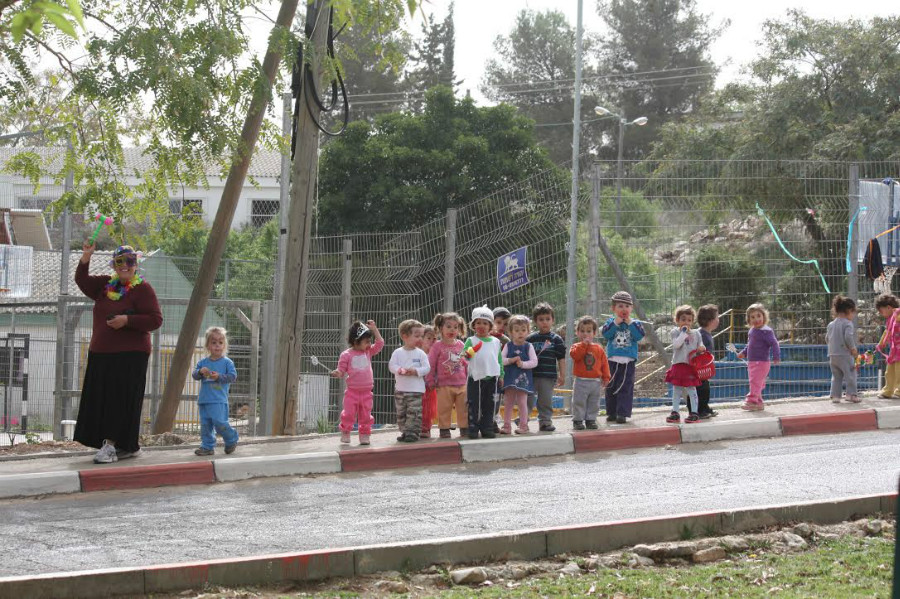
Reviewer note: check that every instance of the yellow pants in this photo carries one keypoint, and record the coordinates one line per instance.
(891, 380)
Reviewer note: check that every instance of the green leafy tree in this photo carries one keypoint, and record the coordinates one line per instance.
(29, 17)
(407, 169)
(656, 63)
(431, 61)
(534, 70)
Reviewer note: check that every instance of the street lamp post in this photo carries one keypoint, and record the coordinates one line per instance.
(640, 122)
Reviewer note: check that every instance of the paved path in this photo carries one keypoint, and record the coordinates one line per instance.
(131, 528)
(644, 418)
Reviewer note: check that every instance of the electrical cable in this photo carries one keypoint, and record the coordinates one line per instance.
(304, 87)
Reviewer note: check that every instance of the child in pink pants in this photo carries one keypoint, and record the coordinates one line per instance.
(761, 344)
(355, 364)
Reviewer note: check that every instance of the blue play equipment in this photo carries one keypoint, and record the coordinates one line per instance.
(802, 372)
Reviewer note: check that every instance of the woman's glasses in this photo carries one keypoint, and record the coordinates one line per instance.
(129, 261)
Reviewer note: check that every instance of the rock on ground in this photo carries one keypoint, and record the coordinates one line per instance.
(468, 576)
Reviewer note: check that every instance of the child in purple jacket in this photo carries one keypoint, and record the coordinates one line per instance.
(761, 344)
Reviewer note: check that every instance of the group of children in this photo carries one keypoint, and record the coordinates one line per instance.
(436, 371)
(438, 368)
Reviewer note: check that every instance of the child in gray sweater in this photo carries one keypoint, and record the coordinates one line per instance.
(842, 352)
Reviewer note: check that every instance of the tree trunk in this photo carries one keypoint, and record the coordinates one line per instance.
(218, 235)
(303, 187)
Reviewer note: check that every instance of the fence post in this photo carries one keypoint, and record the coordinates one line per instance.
(227, 276)
(593, 249)
(346, 293)
(269, 318)
(450, 262)
(155, 375)
(853, 275)
(254, 368)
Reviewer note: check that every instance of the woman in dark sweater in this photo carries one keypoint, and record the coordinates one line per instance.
(112, 396)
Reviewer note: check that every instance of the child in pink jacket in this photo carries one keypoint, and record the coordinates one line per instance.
(355, 364)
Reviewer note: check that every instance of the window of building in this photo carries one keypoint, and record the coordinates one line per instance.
(186, 207)
(262, 211)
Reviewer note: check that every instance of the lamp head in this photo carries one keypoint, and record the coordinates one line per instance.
(640, 121)
(600, 111)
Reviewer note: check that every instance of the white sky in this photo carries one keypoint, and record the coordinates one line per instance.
(479, 22)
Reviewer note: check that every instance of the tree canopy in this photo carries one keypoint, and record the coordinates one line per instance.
(406, 169)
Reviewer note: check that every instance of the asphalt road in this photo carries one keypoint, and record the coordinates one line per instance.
(131, 528)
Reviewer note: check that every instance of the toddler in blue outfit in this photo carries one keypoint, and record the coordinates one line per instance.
(215, 373)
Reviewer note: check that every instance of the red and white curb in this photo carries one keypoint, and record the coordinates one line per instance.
(353, 561)
(441, 453)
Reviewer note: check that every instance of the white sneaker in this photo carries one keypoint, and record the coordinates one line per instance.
(835, 400)
(106, 455)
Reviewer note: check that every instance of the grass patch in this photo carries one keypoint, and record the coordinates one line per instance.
(848, 567)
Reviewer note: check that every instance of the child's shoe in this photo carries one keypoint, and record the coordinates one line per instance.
(547, 428)
(445, 433)
(425, 434)
(692, 418)
(578, 425)
(522, 430)
(591, 425)
(229, 449)
(753, 406)
(364, 439)
(488, 434)
(610, 417)
(345, 437)
(835, 400)
(409, 438)
(854, 399)
(673, 417)
(621, 419)
(472, 433)
(505, 430)
(496, 428)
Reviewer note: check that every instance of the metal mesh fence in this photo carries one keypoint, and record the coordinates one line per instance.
(682, 232)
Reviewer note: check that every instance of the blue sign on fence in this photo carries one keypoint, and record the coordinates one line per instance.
(511, 270)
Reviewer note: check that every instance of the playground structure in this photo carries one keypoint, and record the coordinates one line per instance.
(689, 232)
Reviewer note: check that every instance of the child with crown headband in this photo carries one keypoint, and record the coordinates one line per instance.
(355, 365)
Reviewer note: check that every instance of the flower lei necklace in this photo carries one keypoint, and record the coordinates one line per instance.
(115, 290)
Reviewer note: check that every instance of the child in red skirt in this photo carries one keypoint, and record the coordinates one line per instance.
(429, 400)
(684, 380)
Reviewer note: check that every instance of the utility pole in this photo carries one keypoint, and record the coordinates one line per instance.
(572, 284)
(215, 246)
(303, 189)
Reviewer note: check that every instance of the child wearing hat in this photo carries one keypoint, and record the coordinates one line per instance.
(485, 368)
(622, 335)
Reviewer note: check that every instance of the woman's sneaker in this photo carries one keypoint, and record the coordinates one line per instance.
(364, 439)
(692, 418)
(578, 425)
(345, 437)
(204, 451)
(673, 417)
(125, 455)
(621, 419)
(106, 455)
(591, 425)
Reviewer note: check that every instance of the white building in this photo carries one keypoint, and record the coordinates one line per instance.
(258, 202)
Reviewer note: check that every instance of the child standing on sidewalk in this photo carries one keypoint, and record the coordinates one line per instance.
(681, 375)
(355, 364)
(841, 338)
(485, 369)
(429, 400)
(448, 372)
(550, 371)
(409, 365)
(519, 358)
(889, 307)
(215, 373)
(708, 319)
(622, 335)
(761, 344)
(501, 318)
(591, 371)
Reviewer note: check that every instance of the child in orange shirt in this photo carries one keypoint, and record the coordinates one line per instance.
(591, 371)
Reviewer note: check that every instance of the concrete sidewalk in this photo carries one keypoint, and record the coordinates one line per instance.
(319, 454)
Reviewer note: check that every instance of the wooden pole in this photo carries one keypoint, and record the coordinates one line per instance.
(221, 226)
(299, 225)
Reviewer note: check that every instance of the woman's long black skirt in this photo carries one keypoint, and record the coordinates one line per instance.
(111, 400)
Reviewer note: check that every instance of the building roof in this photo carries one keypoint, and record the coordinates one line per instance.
(265, 163)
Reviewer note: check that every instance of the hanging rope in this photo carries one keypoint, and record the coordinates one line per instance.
(814, 262)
